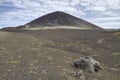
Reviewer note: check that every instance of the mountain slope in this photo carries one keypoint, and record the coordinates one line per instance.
(55, 20)
(60, 19)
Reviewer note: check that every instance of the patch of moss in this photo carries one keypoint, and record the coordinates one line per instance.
(13, 62)
(116, 54)
(32, 72)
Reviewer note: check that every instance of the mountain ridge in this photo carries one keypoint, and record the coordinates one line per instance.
(59, 18)
(55, 20)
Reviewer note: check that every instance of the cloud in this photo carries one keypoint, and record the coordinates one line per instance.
(17, 12)
(107, 4)
(106, 19)
(106, 22)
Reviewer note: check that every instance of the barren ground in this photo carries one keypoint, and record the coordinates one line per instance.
(49, 54)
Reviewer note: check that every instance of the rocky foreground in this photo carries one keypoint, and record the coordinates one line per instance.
(50, 54)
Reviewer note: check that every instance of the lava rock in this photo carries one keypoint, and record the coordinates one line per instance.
(88, 64)
(80, 74)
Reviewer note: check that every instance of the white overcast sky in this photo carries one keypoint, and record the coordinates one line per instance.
(104, 13)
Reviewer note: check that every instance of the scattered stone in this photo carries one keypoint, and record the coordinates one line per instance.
(39, 79)
(9, 70)
(19, 56)
(114, 69)
(80, 74)
(44, 72)
(70, 78)
(88, 64)
(31, 64)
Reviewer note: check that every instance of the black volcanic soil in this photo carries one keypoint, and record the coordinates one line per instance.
(49, 54)
(60, 19)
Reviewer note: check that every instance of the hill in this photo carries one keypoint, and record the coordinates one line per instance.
(55, 20)
(60, 19)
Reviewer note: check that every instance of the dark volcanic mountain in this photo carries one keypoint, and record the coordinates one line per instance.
(60, 19)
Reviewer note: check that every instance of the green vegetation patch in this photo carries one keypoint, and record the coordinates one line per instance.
(13, 62)
(116, 54)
